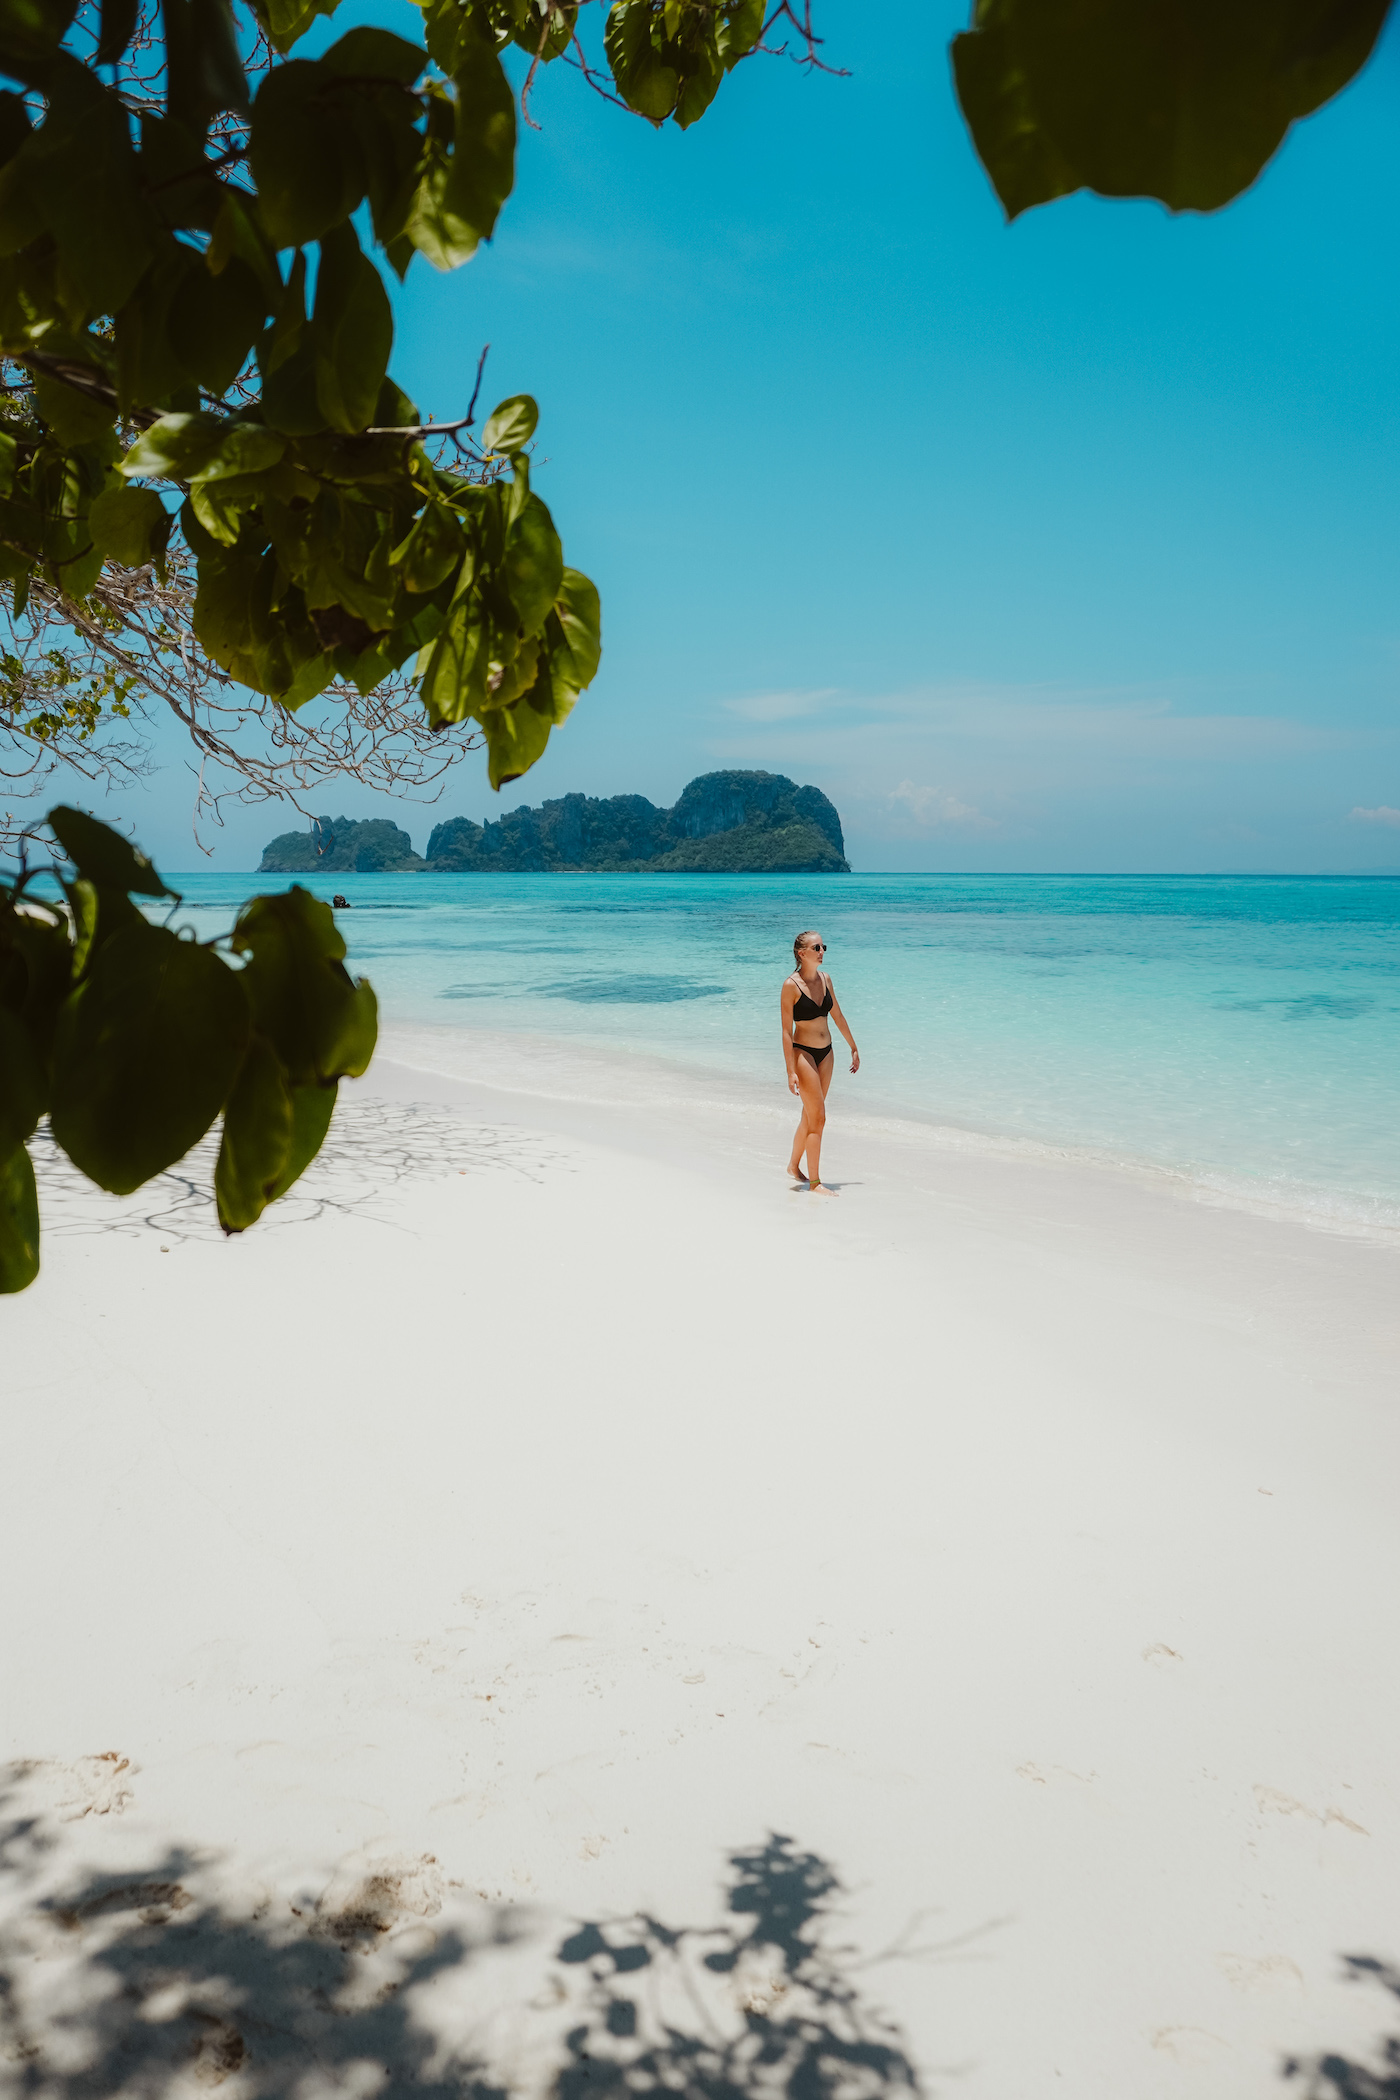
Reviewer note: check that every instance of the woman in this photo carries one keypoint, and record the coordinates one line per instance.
(808, 996)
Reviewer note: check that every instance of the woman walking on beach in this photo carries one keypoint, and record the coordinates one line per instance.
(808, 996)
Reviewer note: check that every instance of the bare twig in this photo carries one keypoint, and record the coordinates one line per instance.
(785, 11)
(81, 687)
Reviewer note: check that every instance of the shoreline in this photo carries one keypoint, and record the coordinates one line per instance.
(547, 1503)
(441, 1051)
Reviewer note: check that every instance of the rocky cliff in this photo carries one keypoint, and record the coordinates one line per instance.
(341, 846)
(727, 823)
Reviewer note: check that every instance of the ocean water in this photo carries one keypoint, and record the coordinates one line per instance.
(1241, 1031)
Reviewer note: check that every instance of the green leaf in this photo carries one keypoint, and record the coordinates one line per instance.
(131, 526)
(19, 1222)
(303, 155)
(214, 322)
(562, 22)
(534, 564)
(456, 665)
(515, 738)
(431, 551)
(322, 1023)
(290, 401)
(202, 447)
(15, 126)
(644, 80)
(354, 332)
(102, 856)
(1183, 100)
(511, 424)
(367, 53)
(36, 972)
(312, 1109)
(73, 417)
(699, 86)
(288, 20)
(98, 913)
(22, 1083)
(444, 23)
(460, 196)
(118, 22)
(739, 30)
(146, 1051)
(81, 174)
(175, 446)
(220, 508)
(203, 71)
(30, 33)
(176, 176)
(231, 613)
(236, 232)
(148, 371)
(257, 1137)
(578, 648)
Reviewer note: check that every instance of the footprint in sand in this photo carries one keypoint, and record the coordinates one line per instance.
(99, 1785)
(1261, 1972)
(371, 1894)
(157, 1901)
(1274, 1802)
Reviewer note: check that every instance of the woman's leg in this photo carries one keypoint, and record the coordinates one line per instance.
(800, 1135)
(809, 1131)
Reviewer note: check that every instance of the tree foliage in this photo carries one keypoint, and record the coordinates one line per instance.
(133, 1037)
(197, 331)
(211, 486)
(1182, 100)
(79, 684)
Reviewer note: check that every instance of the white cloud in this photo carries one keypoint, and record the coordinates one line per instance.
(780, 706)
(933, 805)
(1115, 722)
(1382, 815)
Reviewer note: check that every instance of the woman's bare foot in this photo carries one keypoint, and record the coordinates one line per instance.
(796, 1173)
(819, 1188)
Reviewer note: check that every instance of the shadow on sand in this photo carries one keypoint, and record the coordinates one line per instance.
(141, 1989)
(1336, 2077)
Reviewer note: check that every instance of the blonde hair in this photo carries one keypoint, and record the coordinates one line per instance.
(809, 935)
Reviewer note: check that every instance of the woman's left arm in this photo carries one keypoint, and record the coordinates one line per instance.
(840, 1019)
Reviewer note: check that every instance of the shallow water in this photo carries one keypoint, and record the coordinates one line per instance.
(1241, 1030)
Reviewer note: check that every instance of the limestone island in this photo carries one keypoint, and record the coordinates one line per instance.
(727, 823)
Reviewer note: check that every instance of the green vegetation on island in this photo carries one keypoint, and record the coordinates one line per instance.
(342, 846)
(727, 823)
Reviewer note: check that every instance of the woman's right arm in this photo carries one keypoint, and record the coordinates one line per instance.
(787, 999)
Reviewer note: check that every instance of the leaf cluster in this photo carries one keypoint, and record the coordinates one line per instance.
(189, 294)
(81, 682)
(1182, 100)
(668, 57)
(213, 301)
(132, 1037)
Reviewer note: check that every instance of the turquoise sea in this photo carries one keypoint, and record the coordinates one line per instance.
(1243, 1031)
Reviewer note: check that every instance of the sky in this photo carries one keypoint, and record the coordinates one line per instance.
(1064, 545)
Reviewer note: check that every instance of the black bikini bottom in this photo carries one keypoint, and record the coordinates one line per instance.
(818, 1056)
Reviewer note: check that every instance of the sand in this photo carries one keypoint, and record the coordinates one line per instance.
(551, 1506)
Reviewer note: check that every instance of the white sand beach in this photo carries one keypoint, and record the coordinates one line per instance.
(548, 1504)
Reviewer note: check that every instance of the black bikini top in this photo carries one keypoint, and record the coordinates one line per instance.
(805, 1009)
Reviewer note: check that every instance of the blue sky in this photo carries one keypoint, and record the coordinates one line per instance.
(1071, 544)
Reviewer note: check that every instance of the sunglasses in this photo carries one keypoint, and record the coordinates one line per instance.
(818, 946)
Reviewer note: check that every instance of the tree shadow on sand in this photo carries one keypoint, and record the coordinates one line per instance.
(795, 2024)
(1336, 2077)
(139, 1989)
